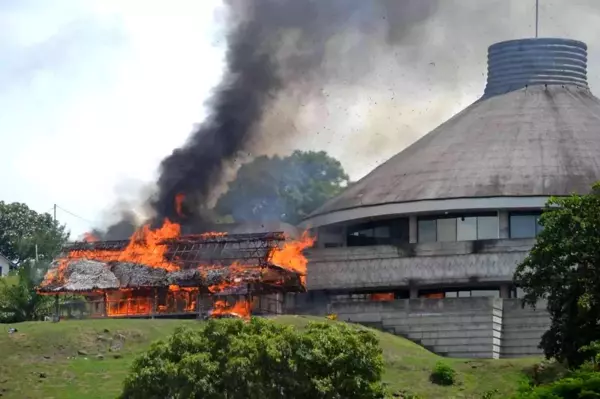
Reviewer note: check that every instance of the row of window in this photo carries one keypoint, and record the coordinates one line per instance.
(458, 229)
(451, 228)
(469, 228)
(464, 292)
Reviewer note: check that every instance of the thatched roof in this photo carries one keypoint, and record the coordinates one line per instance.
(83, 275)
(193, 261)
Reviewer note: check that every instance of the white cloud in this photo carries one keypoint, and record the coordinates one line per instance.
(96, 93)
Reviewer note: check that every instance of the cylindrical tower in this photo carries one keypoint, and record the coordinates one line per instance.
(515, 64)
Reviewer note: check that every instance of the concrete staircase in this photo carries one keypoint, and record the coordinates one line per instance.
(522, 328)
(461, 327)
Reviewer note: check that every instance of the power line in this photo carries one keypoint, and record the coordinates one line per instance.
(73, 214)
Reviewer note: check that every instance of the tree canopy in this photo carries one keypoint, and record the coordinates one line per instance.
(260, 359)
(20, 301)
(564, 268)
(21, 228)
(282, 188)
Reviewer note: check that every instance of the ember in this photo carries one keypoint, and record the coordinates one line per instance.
(241, 308)
(162, 272)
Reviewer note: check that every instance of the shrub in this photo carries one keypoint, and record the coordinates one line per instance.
(579, 385)
(443, 374)
(233, 359)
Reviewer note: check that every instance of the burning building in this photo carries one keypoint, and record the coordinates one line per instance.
(428, 242)
(163, 273)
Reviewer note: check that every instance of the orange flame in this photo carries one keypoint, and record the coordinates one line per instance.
(179, 198)
(382, 297)
(129, 302)
(89, 237)
(241, 308)
(291, 257)
(147, 247)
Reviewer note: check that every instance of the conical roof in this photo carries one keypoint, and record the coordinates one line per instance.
(535, 132)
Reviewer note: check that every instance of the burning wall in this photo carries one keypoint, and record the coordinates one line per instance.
(162, 271)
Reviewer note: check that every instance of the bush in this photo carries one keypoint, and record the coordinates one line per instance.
(443, 374)
(233, 359)
(579, 385)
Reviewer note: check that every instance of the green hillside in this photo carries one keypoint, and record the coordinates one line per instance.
(89, 359)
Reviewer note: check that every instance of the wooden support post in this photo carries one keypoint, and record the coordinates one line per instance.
(105, 299)
(56, 309)
(154, 303)
(198, 305)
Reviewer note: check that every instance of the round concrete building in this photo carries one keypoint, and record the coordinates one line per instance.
(454, 213)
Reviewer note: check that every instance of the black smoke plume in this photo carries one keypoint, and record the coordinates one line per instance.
(272, 45)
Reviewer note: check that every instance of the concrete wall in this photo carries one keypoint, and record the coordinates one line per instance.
(461, 327)
(454, 327)
(421, 264)
(522, 328)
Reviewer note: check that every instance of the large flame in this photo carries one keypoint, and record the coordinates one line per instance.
(147, 247)
(291, 257)
(242, 308)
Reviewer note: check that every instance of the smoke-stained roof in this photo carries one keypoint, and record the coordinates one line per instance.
(541, 137)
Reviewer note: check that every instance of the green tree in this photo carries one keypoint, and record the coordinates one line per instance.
(19, 301)
(260, 359)
(21, 228)
(564, 268)
(287, 189)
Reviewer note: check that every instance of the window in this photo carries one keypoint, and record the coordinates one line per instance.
(427, 231)
(461, 293)
(524, 225)
(466, 228)
(383, 232)
(446, 230)
(487, 227)
(462, 228)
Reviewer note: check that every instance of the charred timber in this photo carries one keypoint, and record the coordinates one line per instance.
(265, 240)
(83, 275)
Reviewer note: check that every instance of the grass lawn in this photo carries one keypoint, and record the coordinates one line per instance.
(41, 360)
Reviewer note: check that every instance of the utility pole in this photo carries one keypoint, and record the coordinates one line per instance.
(537, 16)
(54, 213)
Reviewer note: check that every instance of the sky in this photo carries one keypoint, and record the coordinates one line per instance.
(93, 94)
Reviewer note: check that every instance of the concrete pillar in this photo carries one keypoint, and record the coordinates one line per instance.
(414, 292)
(320, 239)
(505, 291)
(412, 229)
(503, 222)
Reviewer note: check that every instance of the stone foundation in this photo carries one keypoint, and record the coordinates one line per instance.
(454, 327)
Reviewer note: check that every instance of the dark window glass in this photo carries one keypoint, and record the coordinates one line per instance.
(523, 226)
(385, 232)
(427, 230)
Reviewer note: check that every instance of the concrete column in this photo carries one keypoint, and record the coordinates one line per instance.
(414, 292)
(505, 291)
(320, 239)
(503, 223)
(412, 229)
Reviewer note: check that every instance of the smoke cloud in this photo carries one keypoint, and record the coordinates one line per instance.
(276, 49)
(359, 79)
